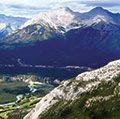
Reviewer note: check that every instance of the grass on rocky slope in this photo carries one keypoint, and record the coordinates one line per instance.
(19, 110)
(98, 109)
(25, 106)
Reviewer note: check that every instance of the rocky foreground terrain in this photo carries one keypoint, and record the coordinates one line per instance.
(91, 95)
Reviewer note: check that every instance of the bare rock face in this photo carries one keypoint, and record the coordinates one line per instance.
(73, 89)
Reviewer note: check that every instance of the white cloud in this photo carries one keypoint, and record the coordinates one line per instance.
(29, 8)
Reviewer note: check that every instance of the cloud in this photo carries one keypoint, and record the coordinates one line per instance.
(72, 4)
(26, 8)
(104, 3)
(20, 9)
(30, 8)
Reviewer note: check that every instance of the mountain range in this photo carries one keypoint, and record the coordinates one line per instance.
(56, 23)
(63, 37)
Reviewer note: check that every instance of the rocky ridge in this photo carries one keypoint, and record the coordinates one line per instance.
(73, 89)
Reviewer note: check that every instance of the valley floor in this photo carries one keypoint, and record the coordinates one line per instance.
(18, 98)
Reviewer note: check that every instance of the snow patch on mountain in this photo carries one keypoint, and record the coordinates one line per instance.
(99, 18)
(68, 19)
(63, 17)
(2, 26)
(5, 30)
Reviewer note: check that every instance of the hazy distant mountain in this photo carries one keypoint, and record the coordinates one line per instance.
(15, 22)
(8, 24)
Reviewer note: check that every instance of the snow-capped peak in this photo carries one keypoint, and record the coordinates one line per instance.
(67, 19)
(60, 17)
(99, 14)
(5, 27)
(99, 18)
(2, 26)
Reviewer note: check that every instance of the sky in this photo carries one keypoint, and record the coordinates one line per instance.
(30, 8)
